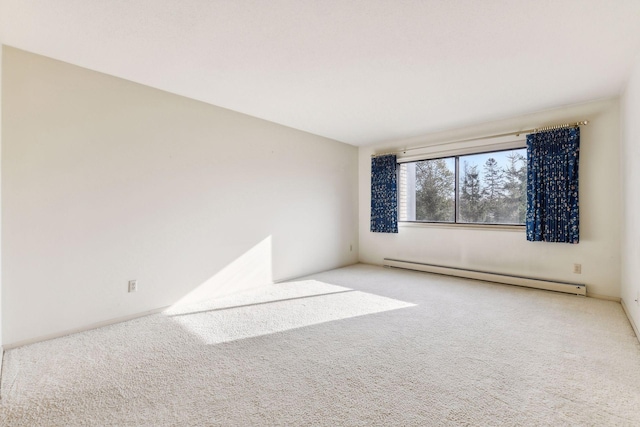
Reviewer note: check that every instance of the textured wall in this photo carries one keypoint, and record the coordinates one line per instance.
(631, 195)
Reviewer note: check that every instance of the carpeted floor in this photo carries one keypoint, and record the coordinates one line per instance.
(357, 346)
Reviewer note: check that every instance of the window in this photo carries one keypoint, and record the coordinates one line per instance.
(482, 188)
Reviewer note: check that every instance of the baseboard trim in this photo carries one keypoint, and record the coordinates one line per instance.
(604, 297)
(298, 277)
(1, 364)
(89, 327)
(633, 325)
(97, 325)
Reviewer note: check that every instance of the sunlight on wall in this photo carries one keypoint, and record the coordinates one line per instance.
(251, 270)
(277, 308)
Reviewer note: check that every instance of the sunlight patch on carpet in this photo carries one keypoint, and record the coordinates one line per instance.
(278, 308)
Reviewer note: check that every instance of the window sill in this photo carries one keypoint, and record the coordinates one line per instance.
(496, 227)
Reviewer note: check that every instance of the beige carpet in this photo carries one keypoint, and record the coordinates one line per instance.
(357, 346)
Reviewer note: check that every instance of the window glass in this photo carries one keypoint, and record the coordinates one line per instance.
(429, 190)
(491, 189)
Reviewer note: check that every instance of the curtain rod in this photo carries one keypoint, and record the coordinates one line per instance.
(516, 133)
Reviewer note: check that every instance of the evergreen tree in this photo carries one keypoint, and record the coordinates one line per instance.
(434, 191)
(493, 180)
(515, 189)
(471, 200)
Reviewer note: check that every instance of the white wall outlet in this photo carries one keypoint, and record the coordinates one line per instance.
(133, 285)
(577, 268)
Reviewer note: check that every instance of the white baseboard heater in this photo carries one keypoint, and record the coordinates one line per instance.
(529, 282)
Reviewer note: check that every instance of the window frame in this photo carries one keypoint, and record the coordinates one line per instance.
(456, 156)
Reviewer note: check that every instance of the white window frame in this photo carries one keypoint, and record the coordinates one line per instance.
(463, 148)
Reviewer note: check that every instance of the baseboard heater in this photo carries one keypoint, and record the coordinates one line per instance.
(529, 282)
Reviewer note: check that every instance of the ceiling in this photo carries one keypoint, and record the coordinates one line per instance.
(358, 71)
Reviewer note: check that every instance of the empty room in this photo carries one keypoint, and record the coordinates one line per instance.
(326, 213)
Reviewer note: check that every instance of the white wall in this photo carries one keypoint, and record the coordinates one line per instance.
(630, 123)
(508, 251)
(104, 181)
(1, 55)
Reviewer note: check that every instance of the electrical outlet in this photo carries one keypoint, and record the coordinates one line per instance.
(133, 285)
(577, 268)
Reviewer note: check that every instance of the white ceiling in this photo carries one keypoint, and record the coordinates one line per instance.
(359, 71)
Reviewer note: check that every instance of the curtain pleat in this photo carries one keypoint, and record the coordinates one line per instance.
(552, 186)
(384, 194)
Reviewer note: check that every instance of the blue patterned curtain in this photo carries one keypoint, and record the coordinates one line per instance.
(384, 194)
(552, 186)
